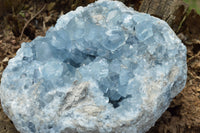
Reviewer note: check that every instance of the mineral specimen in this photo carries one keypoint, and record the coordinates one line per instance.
(102, 68)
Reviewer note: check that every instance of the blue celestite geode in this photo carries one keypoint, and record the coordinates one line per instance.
(102, 68)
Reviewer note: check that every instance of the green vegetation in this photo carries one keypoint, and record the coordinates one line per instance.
(194, 4)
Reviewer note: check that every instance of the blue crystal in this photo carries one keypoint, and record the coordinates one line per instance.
(102, 68)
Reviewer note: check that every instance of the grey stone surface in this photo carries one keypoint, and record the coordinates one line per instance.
(102, 68)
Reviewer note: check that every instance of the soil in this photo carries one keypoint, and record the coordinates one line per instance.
(183, 115)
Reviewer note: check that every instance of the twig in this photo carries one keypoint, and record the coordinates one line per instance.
(194, 76)
(31, 20)
(193, 57)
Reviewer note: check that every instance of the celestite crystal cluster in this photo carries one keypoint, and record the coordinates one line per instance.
(102, 68)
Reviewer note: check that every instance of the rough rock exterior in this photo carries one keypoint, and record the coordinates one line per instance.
(102, 68)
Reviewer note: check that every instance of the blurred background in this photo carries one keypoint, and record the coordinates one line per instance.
(194, 4)
(15, 6)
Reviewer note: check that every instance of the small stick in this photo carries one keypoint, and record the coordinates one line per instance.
(193, 57)
(31, 20)
(193, 75)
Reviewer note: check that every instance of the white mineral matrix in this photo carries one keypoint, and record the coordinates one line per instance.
(104, 68)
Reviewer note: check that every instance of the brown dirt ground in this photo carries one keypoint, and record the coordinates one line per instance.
(183, 115)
